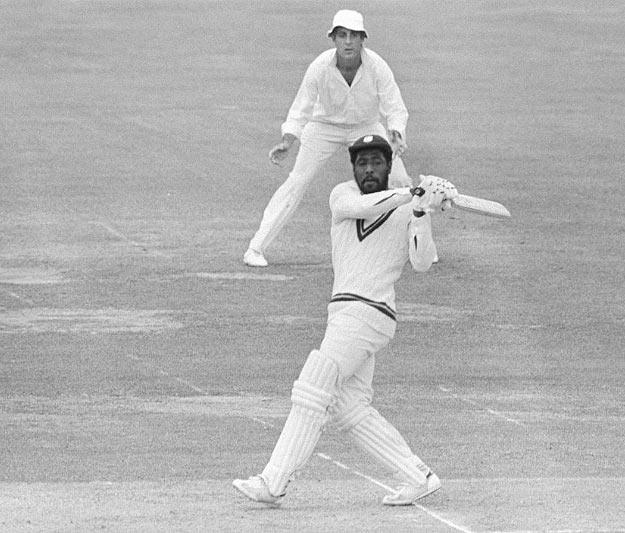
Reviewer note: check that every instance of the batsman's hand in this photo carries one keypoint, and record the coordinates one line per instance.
(279, 152)
(433, 194)
(397, 143)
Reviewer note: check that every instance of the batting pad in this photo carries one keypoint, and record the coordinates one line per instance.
(312, 394)
(378, 437)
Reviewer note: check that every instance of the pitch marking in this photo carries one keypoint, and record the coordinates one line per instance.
(562, 531)
(186, 383)
(427, 511)
(416, 312)
(475, 404)
(121, 236)
(235, 276)
(46, 320)
(360, 474)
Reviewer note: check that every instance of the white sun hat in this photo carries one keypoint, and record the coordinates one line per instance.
(351, 20)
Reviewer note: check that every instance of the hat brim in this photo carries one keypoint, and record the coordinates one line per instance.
(330, 32)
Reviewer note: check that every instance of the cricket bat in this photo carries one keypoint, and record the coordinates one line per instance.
(481, 206)
(474, 204)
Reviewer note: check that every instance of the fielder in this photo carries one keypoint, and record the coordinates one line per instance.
(345, 92)
(375, 231)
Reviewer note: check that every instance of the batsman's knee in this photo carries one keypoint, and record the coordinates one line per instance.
(315, 389)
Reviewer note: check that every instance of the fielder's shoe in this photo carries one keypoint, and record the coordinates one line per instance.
(409, 494)
(435, 260)
(254, 259)
(256, 489)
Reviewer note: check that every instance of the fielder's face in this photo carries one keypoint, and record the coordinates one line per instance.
(348, 43)
(371, 170)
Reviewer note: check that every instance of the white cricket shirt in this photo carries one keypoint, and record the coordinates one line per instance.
(373, 236)
(324, 96)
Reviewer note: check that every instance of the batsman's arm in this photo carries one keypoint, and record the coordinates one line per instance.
(346, 202)
(421, 248)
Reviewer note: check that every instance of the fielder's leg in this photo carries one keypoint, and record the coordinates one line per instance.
(315, 148)
(312, 394)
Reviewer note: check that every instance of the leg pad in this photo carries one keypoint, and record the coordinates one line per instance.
(312, 394)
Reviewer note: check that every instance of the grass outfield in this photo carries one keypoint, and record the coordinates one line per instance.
(143, 367)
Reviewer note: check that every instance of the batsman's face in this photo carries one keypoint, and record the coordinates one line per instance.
(371, 170)
(348, 43)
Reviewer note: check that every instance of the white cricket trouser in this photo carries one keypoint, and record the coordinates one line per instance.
(318, 143)
(336, 382)
(356, 332)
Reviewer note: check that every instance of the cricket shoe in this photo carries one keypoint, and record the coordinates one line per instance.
(256, 489)
(254, 259)
(408, 494)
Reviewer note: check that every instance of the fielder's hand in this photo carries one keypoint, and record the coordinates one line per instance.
(279, 151)
(398, 144)
(438, 194)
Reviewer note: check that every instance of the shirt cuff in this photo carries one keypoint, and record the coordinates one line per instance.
(292, 128)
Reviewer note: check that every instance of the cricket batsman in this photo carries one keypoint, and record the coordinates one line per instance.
(375, 232)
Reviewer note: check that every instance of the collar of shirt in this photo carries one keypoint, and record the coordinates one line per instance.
(365, 63)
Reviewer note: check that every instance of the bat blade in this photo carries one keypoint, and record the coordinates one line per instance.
(481, 206)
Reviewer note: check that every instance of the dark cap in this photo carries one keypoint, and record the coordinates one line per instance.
(368, 142)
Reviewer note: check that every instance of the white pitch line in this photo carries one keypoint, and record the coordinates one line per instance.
(476, 404)
(350, 469)
(427, 511)
(123, 237)
(560, 531)
(187, 384)
(321, 455)
(581, 479)
(175, 378)
(441, 519)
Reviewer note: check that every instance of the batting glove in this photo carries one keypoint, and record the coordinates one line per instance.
(433, 193)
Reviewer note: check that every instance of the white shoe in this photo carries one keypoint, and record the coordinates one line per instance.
(435, 260)
(409, 494)
(254, 259)
(256, 489)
